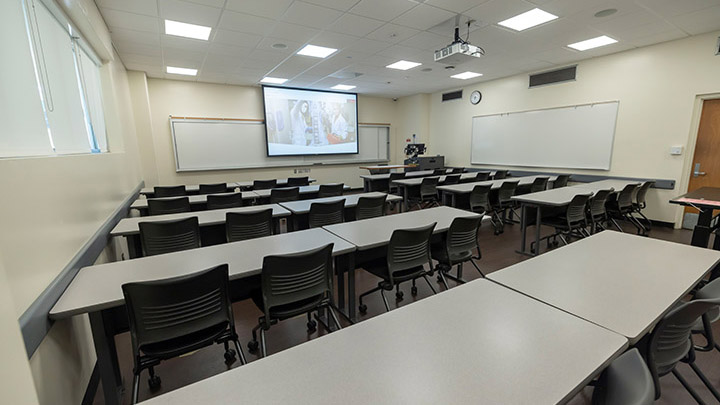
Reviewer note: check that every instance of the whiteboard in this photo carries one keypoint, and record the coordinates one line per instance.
(576, 137)
(232, 144)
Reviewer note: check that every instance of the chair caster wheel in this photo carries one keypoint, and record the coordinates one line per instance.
(154, 382)
(439, 278)
(413, 290)
(253, 346)
(230, 356)
(362, 309)
(311, 326)
(556, 244)
(399, 295)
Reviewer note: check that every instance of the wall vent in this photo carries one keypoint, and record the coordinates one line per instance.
(554, 76)
(453, 95)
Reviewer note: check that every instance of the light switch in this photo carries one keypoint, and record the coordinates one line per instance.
(676, 150)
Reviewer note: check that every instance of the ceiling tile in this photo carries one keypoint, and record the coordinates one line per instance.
(190, 13)
(189, 59)
(659, 37)
(401, 52)
(384, 10)
(293, 32)
(310, 15)
(342, 5)
(334, 40)
(392, 33)
(258, 64)
(146, 7)
(140, 37)
(130, 47)
(263, 8)
(130, 21)
(246, 23)
(268, 42)
(673, 8)
(495, 11)
(196, 45)
(423, 17)
(211, 3)
(699, 22)
(155, 60)
(456, 6)
(368, 46)
(236, 38)
(427, 40)
(355, 25)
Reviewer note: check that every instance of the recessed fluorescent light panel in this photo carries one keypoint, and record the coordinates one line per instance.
(592, 43)
(403, 65)
(182, 71)
(181, 29)
(316, 51)
(343, 87)
(466, 75)
(528, 19)
(273, 80)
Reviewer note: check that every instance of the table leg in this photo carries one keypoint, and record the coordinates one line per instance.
(351, 286)
(340, 270)
(406, 197)
(701, 233)
(523, 227)
(108, 367)
(538, 217)
(454, 201)
(134, 245)
(366, 185)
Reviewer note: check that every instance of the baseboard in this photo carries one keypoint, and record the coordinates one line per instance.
(662, 224)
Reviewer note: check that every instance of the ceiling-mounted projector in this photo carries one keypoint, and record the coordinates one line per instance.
(459, 51)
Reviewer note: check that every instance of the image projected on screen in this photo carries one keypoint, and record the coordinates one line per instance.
(309, 122)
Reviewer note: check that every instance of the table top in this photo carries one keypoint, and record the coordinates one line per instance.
(464, 188)
(374, 232)
(383, 167)
(303, 190)
(193, 188)
(622, 282)
(510, 349)
(100, 287)
(417, 182)
(129, 226)
(142, 203)
(351, 200)
(705, 197)
(249, 183)
(386, 176)
(553, 197)
(616, 185)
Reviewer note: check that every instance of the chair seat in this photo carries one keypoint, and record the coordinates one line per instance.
(288, 310)
(170, 348)
(379, 268)
(440, 254)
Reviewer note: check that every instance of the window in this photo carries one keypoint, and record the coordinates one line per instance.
(69, 90)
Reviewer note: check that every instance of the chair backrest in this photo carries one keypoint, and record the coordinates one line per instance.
(370, 207)
(168, 191)
(409, 248)
(561, 181)
(462, 235)
(670, 340)
(220, 201)
(641, 196)
(213, 188)
(482, 176)
(248, 225)
(298, 181)
(458, 170)
(287, 279)
(264, 184)
(626, 381)
(168, 206)
(396, 176)
(278, 195)
(452, 179)
(507, 190)
(625, 197)
(480, 198)
(577, 209)
(326, 213)
(439, 172)
(169, 236)
(500, 174)
(539, 184)
(175, 307)
(428, 186)
(331, 190)
(598, 201)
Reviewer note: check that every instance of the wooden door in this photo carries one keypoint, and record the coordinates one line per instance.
(707, 149)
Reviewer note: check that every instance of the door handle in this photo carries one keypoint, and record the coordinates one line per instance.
(697, 171)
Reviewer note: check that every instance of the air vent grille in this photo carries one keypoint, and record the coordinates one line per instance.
(554, 76)
(453, 95)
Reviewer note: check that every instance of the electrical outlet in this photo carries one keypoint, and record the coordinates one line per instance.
(300, 171)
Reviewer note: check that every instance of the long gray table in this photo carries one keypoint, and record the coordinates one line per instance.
(454, 190)
(190, 189)
(97, 290)
(371, 181)
(370, 234)
(304, 191)
(616, 185)
(129, 228)
(141, 204)
(477, 343)
(248, 185)
(621, 282)
(302, 207)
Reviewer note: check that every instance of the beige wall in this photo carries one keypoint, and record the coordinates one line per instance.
(414, 112)
(657, 87)
(183, 98)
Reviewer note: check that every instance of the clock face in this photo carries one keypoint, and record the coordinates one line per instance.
(475, 97)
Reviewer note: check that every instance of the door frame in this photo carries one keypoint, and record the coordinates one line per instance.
(684, 182)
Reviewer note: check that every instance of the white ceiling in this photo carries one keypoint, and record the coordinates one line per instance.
(371, 34)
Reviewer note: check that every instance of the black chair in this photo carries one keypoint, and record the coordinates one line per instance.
(500, 174)
(407, 253)
(622, 209)
(278, 195)
(703, 326)
(394, 176)
(452, 179)
(264, 184)
(326, 213)
(298, 181)
(457, 247)
(331, 190)
(561, 181)
(294, 285)
(168, 206)
(458, 170)
(502, 204)
(597, 213)
(573, 222)
(640, 203)
(370, 207)
(480, 199)
(428, 196)
(158, 238)
(169, 191)
(248, 225)
(481, 176)
(220, 201)
(539, 184)
(213, 188)
(670, 343)
(176, 316)
(626, 381)
(439, 172)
